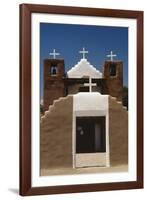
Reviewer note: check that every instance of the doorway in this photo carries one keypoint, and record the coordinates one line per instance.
(90, 141)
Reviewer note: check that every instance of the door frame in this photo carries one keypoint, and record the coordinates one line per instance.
(90, 113)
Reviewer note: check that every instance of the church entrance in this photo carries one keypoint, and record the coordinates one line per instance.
(90, 141)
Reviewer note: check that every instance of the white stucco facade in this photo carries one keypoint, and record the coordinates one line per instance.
(84, 101)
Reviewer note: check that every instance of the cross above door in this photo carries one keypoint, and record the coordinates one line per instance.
(90, 84)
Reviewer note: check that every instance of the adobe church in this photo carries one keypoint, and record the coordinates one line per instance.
(84, 122)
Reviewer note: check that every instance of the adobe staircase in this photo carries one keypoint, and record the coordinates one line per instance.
(58, 105)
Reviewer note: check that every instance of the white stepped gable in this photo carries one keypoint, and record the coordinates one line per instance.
(84, 68)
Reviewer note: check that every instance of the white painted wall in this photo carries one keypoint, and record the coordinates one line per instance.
(9, 141)
(86, 101)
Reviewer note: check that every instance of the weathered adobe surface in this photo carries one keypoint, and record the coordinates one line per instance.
(118, 132)
(56, 134)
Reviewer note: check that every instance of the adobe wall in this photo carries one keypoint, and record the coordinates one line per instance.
(74, 88)
(118, 133)
(56, 135)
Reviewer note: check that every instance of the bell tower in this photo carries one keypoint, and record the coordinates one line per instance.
(113, 75)
(53, 80)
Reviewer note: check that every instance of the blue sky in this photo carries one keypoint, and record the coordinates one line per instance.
(69, 39)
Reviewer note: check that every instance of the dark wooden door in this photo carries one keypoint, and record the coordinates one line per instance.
(90, 134)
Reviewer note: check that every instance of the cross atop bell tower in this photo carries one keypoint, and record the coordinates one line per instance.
(54, 54)
(111, 55)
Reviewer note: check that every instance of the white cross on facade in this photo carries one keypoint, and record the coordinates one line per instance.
(83, 52)
(90, 84)
(111, 55)
(54, 54)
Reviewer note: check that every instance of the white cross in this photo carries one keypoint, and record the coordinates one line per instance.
(83, 52)
(54, 54)
(90, 84)
(111, 55)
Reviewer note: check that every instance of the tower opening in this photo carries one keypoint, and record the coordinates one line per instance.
(112, 69)
(53, 70)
